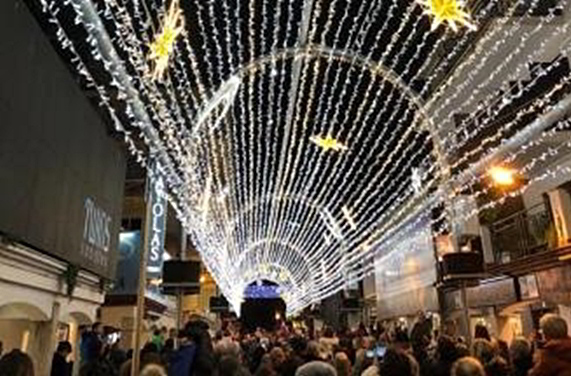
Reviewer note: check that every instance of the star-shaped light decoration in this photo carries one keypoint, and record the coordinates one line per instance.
(328, 143)
(163, 44)
(447, 11)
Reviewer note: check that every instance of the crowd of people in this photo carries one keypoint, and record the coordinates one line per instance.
(289, 351)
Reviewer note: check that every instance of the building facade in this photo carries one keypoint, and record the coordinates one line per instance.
(61, 191)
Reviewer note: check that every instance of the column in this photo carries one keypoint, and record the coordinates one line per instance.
(45, 345)
(561, 207)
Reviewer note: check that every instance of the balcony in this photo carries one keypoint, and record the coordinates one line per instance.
(525, 242)
(521, 234)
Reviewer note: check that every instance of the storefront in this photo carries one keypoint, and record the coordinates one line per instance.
(511, 307)
(36, 309)
(61, 189)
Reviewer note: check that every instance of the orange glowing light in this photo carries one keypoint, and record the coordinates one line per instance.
(502, 175)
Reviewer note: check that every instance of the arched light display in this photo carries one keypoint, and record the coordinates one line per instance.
(301, 140)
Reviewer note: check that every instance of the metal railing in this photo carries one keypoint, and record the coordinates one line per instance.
(521, 234)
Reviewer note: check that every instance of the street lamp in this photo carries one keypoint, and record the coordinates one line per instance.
(502, 176)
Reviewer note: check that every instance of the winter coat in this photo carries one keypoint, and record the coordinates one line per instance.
(554, 359)
(60, 366)
(181, 361)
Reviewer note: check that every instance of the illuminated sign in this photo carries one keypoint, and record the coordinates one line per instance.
(157, 224)
(96, 233)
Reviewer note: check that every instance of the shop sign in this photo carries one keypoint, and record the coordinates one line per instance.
(96, 233)
(157, 224)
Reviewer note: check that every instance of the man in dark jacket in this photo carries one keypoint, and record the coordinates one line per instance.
(204, 363)
(555, 357)
(60, 365)
(181, 360)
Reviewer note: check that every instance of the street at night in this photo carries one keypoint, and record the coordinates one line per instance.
(285, 188)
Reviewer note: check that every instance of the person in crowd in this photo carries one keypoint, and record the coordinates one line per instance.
(226, 346)
(97, 365)
(420, 337)
(265, 368)
(366, 365)
(168, 351)
(468, 366)
(449, 328)
(414, 366)
(90, 339)
(397, 363)
(153, 370)
(503, 348)
(554, 359)
(329, 341)
(277, 358)
(117, 356)
(204, 362)
(298, 346)
(16, 363)
(342, 364)
(148, 356)
(521, 355)
(316, 368)
(498, 366)
(181, 360)
(462, 350)
(230, 366)
(157, 339)
(315, 351)
(446, 355)
(361, 362)
(60, 365)
(346, 346)
(401, 339)
(172, 334)
(483, 350)
(481, 332)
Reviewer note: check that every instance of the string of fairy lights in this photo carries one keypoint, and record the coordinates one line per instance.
(306, 143)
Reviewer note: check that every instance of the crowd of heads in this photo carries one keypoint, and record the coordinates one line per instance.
(385, 350)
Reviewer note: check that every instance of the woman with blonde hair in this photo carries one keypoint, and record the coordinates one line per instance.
(342, 364)
(153, 370)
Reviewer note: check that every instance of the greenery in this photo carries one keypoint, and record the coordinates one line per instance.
(69, 276)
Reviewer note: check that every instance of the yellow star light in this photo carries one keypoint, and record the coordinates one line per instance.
(449, 11)
(163, 45)
(328, 143)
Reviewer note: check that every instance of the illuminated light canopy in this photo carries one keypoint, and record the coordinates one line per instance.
(447, 11)
(304, 144)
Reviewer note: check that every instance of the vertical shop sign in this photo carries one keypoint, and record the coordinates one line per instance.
(157, 223)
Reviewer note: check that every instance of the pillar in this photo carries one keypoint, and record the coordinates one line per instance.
(561, 209)
(527, 326)
(45, 346)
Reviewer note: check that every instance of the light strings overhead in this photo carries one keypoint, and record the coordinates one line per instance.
(302, 140)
